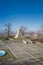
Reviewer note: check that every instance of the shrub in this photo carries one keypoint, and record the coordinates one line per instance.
(40, 40)
(6, 38)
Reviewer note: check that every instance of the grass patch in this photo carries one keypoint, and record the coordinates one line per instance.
(41, 58)
(7, 55)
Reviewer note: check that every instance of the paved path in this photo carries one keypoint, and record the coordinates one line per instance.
(24, 52)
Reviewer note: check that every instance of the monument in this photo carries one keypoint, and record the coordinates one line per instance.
(19, 33)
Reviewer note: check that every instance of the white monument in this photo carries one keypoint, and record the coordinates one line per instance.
(19, 33)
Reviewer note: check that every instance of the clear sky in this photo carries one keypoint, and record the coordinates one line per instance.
(21, 12)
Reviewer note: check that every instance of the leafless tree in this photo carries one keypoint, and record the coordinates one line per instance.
(8, 29)
(40, 31)
(41, 28)
(23, 30)
(31, 34)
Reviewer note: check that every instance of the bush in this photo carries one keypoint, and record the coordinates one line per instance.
(11, 36)
(1, 38)
(6, 38)
(40, 40)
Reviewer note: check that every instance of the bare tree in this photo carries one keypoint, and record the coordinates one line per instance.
(8, 29)
(31, 34)
(23, 30)
(40, 31)
(41, 28)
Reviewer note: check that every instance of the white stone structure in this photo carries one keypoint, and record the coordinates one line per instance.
(19, 33)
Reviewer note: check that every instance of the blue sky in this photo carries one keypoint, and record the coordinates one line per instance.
(27, 13)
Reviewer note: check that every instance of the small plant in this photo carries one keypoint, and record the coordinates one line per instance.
(6, 38)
